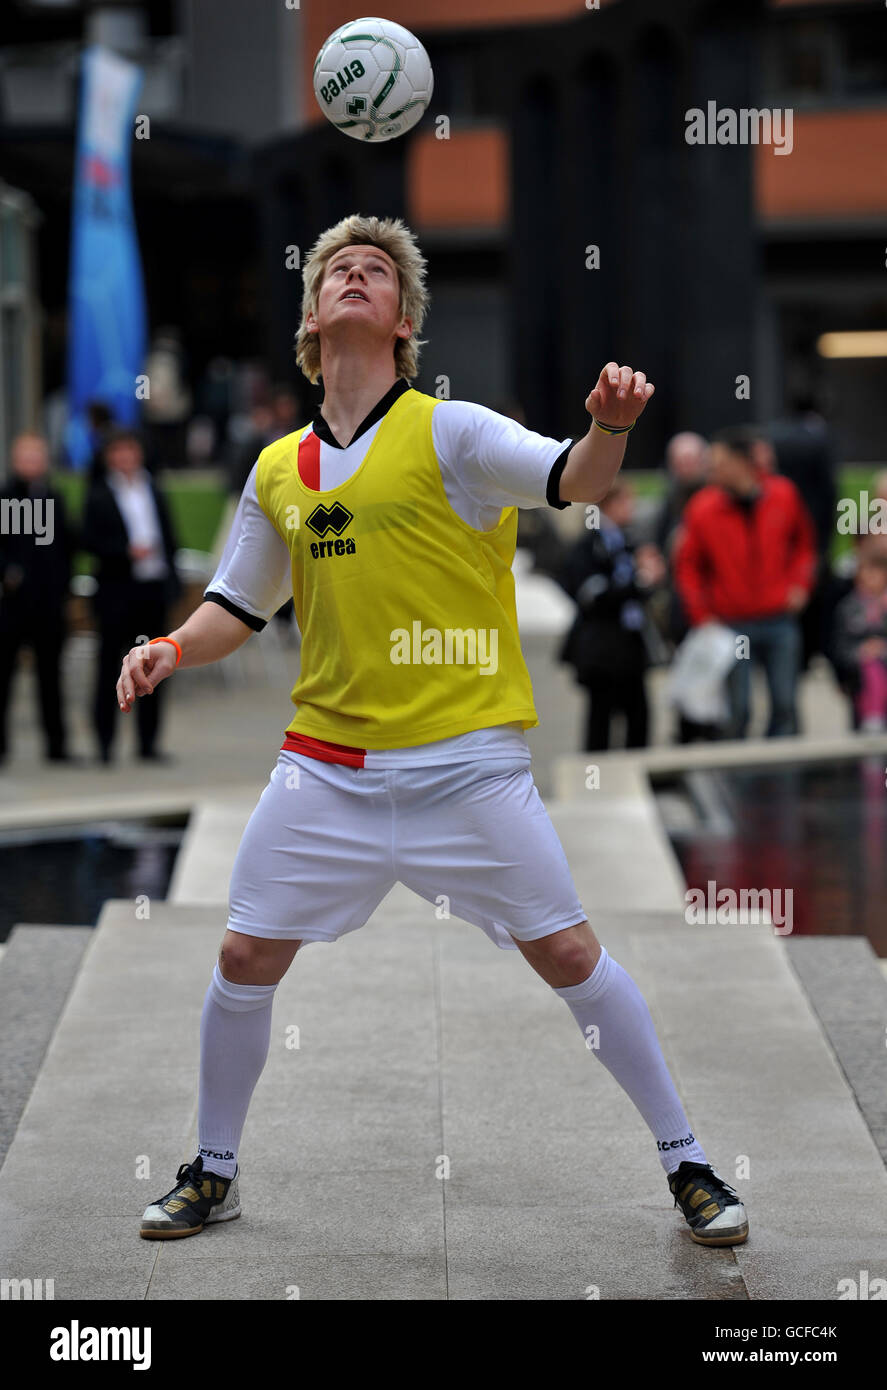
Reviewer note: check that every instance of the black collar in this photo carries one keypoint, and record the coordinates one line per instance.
(323, 431)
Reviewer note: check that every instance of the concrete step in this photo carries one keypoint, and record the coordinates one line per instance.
(843, 979)
(203, 864)
(424, 1051)
(569, 771)
(38, 968)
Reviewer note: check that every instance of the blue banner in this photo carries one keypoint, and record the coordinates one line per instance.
(106, 331)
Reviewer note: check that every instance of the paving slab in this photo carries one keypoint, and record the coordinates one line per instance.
(545, 1253)
(327, 1278)
(848, 990)
(771, 1105)
(615, 841)
(38, 968)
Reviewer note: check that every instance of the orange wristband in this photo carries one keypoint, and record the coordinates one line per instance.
(171, 640)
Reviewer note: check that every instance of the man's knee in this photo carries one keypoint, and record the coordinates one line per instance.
(569, 955)
(253, 960)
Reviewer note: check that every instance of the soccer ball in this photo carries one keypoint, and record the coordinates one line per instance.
(373, 79)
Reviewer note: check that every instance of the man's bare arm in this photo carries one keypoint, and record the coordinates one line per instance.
(210, 633)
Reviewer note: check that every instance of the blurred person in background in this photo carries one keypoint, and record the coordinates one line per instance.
(259, 432)
(763, 453)
(687, 461)
(859, 639)
(804, 453)
(606, 645)
(875, 540)
(215, 394)
(539, 535)
(36, 546)
(746, 557)
(879, 485)
(168, 405)
(100, 419)
(127, 527)
(842, 577)
(285, 412)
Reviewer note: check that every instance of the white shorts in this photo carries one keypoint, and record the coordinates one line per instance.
(326, 843)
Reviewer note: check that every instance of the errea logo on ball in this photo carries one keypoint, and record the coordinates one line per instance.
(341, 79)
(372, 79)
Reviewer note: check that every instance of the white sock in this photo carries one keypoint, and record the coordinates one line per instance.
(617, 1027)
(235, 1032)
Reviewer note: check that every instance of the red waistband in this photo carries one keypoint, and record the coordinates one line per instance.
(326, 752)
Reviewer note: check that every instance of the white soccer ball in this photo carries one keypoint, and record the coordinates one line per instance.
(373, 79)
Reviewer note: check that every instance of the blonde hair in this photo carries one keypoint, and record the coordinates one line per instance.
(393, 237)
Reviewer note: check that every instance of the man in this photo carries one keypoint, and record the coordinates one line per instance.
(392, 520)
(35, 571)
(259, 432)
(168, 406)
(747, 557)
(803, 452)
(610, 582)
(687, 461)
(127, 527)
(284, 412)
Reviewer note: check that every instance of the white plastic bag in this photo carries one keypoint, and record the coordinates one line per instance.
(695, 683)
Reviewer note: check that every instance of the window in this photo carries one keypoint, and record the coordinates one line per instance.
(831, 60)
(803, 57)
(864, 55)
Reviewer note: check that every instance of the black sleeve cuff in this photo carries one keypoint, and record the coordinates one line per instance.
(249, 618)
(552, 490)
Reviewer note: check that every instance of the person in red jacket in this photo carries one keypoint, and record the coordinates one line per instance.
(747, 557)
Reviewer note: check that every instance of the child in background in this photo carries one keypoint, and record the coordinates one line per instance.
(860, 641)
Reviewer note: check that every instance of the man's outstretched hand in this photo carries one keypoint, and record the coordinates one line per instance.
(144, 667)
(619, 397)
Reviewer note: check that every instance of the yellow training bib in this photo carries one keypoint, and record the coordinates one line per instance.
(408, 620)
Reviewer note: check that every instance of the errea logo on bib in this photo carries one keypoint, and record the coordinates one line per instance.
(336, 519)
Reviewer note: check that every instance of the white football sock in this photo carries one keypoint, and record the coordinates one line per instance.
(235, 1032)
(617, 1027)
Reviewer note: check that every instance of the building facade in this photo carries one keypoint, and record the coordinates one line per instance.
(566, 216)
